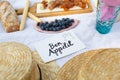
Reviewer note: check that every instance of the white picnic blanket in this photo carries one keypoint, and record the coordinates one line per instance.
(85, 31)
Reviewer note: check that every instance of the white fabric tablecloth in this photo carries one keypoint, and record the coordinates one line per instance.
(85, 31)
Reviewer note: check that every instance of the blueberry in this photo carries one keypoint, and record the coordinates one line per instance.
(71, 20)
(50, 29)
(63, 22)
(55, 24)
(63, 19)
(47, 29)
(63, 27)
(67, 25)
(38, 23)
(42, 27)
(51, 24)
(56, 20)
(53, 29)
(46, 22)
(47, 25)
(70, 24)
(42, 24)
(60, 24)
(58, 28)
(68, 18)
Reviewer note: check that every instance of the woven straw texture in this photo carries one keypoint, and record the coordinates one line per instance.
(102, 66)
(34, 73)
(48, 70)
(15, 61)
(70, 70)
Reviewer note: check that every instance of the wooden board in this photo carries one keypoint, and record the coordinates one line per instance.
(33, 9)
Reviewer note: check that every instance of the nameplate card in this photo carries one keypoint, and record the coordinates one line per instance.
(58, 46)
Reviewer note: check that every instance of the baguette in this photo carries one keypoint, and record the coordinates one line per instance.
(34, 17)
(24, 16)
(8, 17)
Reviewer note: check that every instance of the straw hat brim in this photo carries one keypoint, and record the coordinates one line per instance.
(48, 70)
(70, 70)
(102, 66)
(15, 61)
(34, 73)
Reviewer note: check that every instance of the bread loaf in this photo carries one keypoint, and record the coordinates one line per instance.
(8, 17)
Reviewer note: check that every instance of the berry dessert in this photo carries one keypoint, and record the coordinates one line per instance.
(57, 25)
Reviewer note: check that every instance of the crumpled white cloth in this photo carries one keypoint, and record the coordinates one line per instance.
(85, 31)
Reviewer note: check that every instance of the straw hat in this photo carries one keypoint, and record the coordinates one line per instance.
(34, 74)
(48, 70)
(102, 66)
(16, 62)
(70, 70)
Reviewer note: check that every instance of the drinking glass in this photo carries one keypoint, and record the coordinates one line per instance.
(104, 26)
